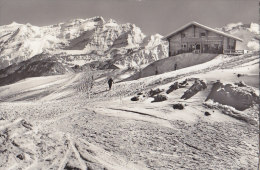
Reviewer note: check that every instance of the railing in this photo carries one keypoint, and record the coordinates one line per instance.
(211, 51)
(233, 52)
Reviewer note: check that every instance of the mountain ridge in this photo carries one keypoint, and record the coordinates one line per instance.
(80, 36)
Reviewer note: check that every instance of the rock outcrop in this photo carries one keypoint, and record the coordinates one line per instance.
(194, 89)
(237, 96)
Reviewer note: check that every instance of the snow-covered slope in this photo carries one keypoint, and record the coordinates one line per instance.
(54, 122)
(79, 41)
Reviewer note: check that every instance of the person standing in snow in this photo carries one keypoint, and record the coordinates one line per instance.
(156, 71)
(175, 66)
(91, 82)
(110, 82)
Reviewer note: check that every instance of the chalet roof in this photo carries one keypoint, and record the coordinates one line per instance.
(202, 26)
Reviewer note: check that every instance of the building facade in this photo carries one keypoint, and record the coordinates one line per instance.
(198, 38)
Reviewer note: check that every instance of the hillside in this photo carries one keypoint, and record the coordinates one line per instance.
(39, 65)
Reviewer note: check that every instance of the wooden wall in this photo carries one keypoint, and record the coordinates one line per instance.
(211, 42)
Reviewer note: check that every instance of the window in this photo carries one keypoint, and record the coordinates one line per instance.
(203, 34)
(182, 35)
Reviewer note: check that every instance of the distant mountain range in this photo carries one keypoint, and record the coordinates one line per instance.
(80, 41)
(249, 33)
(27, 51)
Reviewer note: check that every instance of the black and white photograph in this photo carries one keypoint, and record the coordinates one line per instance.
(129, 84)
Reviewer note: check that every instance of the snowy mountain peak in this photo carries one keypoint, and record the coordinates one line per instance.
(232, 26)
(249, 33)
(254, 27)
(14, 23)
(93, 39)
(111, 21)
(29, 25)
(98, 19)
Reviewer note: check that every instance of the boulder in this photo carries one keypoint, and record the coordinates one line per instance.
(240, 84)
(159, 98)
(183, 84)
(135, 98)
(239, 97)
(154, 92)
(140, 93)
(239, 75)
(194, 89)
(173, 87)
(178, 106)
(20, 156)
(207, 114)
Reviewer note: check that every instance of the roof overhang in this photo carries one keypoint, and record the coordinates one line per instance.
(202, 26)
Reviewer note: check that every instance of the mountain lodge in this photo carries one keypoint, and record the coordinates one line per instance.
(198, 38)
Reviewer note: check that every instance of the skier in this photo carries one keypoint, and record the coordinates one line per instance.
(110, 81)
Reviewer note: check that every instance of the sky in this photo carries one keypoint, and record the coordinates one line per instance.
(152, 16)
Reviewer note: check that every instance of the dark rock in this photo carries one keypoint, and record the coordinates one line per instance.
(140, 93)
(71, 167)
(194, 89)
(178, 106)
(214, 88)
(154, 92)
(239, 75)
(184, 82)
(89, 168)
(173, 87)
(135, 98)
(26, 124)
(159, 98)
(240, 84)
(207, 114)
(20, 156)
(76, 67)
